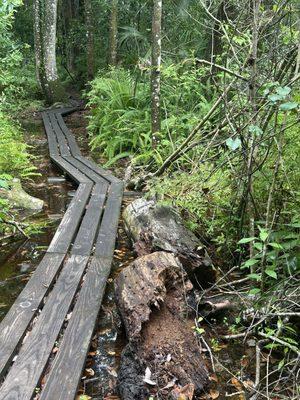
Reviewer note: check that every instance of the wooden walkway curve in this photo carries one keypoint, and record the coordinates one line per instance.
(59, 305)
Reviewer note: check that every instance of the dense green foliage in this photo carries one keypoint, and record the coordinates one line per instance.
(236, 181)
(18, 92)
(18, 86)
(120, 121)
(15, 159)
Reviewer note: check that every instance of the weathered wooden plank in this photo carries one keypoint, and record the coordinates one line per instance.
(64, 111)
(68, 110)
(86, 170)
(63, 380)
(74, 148)
(25, 374)
(26, 371)
(70, 170)
(62, 142)
(19, 317)
(71, 220)
(105, 243)
(100, 171)
(52, 143)
(86, 235)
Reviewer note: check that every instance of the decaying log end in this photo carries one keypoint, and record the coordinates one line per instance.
(153, 295)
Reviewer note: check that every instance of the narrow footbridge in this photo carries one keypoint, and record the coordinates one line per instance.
(58, 307)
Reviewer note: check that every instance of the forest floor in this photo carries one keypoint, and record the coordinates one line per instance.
(232, 363)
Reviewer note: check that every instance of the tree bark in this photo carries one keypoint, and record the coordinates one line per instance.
(37, 40)
(155, 70)
(45, 19)
(69, 11)
(253, 101)
(113, 33)
(90, 38)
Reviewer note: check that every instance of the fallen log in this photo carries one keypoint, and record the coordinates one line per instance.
(19, 199)
(153, 296)
(153, 227)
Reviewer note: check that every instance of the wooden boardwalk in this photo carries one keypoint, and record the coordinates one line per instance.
(59, 305)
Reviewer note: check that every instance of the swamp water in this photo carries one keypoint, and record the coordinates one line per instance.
(18, 259)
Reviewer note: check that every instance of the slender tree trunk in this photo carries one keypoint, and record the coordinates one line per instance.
(37, 40)
(216, 35)
(113, 33)
(90, 38)
(155, 69)
(50, 48)
(45, 13)
(69, 45)
(252, 149)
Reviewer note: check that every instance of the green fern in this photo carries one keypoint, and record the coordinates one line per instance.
(120, 120)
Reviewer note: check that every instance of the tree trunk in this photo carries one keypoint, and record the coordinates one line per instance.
(37, 40)
(113, 33)
(216, 35)
(90, 38)
(69, 12)
(252, 149)
(45, 13)
(155, 70)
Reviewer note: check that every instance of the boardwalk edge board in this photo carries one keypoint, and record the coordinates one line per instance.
(61, 301)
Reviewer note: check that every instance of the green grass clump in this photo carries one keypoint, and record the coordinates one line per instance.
(15, 159)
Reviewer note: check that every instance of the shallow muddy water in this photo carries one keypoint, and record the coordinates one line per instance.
(18, 259)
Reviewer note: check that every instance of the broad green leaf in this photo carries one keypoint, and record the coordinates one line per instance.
(3, 184)
(258, 246)
(276, 246)
(254, 291)
(283, 91)
(274, 97)
(263, 235)
(250, 262)
(246, 240)
(256, 277)
(233, 144)
(288, 106)
(271, 273)
(271, 346)
(255, 130)
(281, 364)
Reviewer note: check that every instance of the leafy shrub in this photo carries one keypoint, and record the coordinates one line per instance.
(205, 199)
(120, 122)
(14, 157)
(120, 118)
(18, 84)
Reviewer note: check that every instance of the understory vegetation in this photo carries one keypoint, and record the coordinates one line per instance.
(120, 123)
(226, 153)
(18, 92)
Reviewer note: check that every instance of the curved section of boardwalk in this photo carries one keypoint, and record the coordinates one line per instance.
(59, 305)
